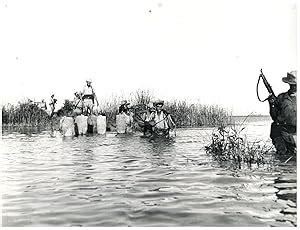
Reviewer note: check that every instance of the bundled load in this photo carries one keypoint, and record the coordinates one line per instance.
(101, 124)
(121, 123)
(82, 124)
(67, 126)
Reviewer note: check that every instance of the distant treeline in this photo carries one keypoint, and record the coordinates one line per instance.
(183, 113)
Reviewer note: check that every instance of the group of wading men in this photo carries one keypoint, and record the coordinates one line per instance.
(154, 120)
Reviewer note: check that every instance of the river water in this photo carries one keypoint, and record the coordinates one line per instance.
(128, 181)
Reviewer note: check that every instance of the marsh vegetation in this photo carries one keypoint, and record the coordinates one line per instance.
(183, 113)
(230, 144)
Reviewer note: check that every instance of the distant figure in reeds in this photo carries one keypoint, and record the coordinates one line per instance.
(88, 98)
(52, 103)
(283, 110)
(42, 105)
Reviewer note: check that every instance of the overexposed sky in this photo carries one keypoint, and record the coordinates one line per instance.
(205, 50)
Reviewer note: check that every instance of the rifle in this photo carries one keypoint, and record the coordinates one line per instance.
(267, 85)
(75, 106)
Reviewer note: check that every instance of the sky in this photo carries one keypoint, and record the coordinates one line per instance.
(207, 51)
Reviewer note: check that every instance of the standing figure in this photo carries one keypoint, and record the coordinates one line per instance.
(283, 110)
(52, 105)
(78, 105)
(88, 98)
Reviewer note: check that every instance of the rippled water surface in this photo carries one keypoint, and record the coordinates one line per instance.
(128, 181)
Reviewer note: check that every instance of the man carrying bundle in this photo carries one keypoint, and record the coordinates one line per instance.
(283, 110)
(88, 98)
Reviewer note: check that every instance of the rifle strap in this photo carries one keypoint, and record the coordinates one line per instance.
(257, 90)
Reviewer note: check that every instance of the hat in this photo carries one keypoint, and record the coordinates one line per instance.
(150, 106)
(124, 102)
(89, 80)
(291, 78)
(159, 102)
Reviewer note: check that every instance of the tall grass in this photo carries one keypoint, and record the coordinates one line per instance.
(196, 115)
(29, 113)
(25, 113)
(141, 97)
(183, 113)
(229, 145)
(109, 108)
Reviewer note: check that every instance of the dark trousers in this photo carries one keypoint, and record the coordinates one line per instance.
(283, 141)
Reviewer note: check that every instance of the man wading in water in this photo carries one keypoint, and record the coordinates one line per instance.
(283, 110)
(88, 98)
(162, 120)
(124, 111)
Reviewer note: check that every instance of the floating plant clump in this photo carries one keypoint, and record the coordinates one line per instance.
(229, 144)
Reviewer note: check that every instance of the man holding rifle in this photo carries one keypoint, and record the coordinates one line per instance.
(283, 110)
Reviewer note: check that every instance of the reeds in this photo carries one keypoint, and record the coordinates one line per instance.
(141, 96)
(183, 113)
(197, 115)
(24, 113)
(228, 144)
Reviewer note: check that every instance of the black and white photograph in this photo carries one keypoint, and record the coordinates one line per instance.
(148, 113)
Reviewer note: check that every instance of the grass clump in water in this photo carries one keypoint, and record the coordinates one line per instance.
(228, 144)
